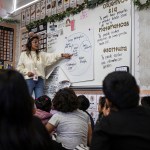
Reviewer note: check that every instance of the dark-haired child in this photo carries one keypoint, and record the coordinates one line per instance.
(127, 124)
(84, 104)
(43, 107)
(72, 125)
(101, 106)
(145, 101)
(19, 129)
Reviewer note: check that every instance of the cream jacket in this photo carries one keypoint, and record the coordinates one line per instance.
(31, 64)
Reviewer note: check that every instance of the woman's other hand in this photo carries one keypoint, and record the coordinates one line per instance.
(66, 55)
(30, 74)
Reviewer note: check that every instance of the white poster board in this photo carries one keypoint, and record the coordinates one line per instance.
(101, 37)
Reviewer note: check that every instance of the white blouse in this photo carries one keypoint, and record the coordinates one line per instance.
(32, 64)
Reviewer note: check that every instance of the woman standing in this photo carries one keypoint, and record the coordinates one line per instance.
(32, 64)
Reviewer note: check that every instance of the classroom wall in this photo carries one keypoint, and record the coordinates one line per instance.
(99, 39)
(140, 47)
(140, 59)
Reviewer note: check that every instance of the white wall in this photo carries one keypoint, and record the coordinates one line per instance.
(140, 47)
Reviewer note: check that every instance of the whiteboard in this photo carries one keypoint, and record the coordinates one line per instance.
(99, 39)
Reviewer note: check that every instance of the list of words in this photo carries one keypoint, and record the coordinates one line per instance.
(114, 33)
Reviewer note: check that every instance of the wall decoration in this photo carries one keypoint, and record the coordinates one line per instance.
(53, 5)
(6, 43)
(38, 11)
(141, 5)
(24, 38)
(60, 6)
(23, 18)
(28, 15)
(32, 13)
(43, 9)
(9, 20)
(48, 7)
(66, 4)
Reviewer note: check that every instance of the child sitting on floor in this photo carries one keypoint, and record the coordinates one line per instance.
(43, 107)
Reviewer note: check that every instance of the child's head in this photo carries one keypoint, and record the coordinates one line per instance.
(121, 89)
(101, 105)
(83, 102)
(15, 98)
(44, 103)
(145, 101)
(65, 100)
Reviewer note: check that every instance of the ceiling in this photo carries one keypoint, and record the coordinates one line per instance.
(22, 2)
(7, 6)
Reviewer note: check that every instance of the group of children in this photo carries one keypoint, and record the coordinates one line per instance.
(70, 123)
(43, 108)
(122, 123)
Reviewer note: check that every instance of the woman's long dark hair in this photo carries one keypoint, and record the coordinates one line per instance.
(19, 130)
(29, 46)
